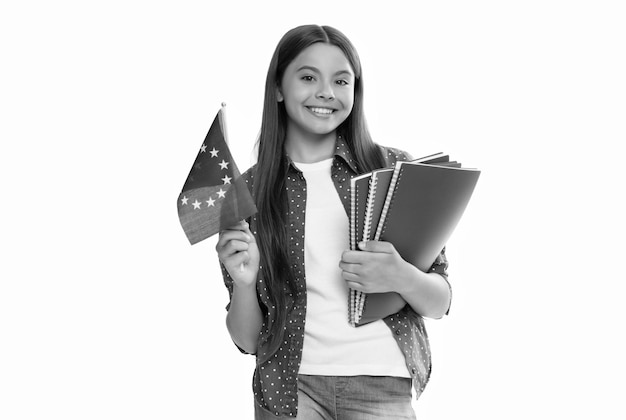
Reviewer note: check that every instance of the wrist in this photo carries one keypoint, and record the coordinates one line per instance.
(244, 287)
(409, 280)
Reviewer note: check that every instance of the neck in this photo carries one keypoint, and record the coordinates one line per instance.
(310, 148)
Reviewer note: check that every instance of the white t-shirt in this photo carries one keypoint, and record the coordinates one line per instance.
(331, 345)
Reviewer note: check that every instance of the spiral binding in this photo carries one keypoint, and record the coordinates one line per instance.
(369, 208)
(352, 297)
(392, 187)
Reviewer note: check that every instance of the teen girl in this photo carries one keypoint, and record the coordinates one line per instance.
(289, 271)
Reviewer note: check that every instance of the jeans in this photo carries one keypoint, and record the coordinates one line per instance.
(350, 398)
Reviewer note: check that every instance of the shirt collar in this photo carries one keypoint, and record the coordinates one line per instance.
(343, 151)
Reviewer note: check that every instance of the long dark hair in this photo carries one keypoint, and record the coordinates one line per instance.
(270, 192)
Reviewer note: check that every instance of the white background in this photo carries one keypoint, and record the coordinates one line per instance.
(107, 312)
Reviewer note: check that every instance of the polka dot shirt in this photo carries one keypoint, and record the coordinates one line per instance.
(275, 379)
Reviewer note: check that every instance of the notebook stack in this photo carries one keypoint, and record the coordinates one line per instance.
(415, 205)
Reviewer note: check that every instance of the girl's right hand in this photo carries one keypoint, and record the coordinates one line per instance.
(238, 251)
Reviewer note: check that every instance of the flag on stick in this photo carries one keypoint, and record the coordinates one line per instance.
(214, 196)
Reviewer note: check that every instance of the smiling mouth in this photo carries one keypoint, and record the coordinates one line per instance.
(321, 111)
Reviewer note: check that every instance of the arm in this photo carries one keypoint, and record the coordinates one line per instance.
(238, 252)
(244, 318)
(427, 293)
(381, 269)
(381, 305)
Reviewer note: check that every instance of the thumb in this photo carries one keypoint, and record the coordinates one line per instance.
(376, 246)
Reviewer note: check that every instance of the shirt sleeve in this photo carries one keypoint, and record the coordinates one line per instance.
(392, 155)
(228, 282)
(440, 266)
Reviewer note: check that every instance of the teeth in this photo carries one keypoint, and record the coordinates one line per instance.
(321, 110)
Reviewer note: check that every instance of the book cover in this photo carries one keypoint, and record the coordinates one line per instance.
(424, 208)
(423, 204)
(379, 187)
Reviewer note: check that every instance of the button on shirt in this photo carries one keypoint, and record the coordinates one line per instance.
(275, 379)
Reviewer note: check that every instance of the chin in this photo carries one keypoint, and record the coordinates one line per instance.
(326, 127)
(324, 131)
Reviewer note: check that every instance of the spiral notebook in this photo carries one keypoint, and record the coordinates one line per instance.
(417, 212)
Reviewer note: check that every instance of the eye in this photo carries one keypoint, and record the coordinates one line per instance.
(342, 82)
(307, 78)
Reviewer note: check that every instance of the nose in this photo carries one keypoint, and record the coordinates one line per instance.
(325, 92)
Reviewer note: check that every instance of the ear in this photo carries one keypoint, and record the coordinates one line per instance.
(279, 95)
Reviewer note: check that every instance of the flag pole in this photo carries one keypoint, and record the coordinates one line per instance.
(223, 122)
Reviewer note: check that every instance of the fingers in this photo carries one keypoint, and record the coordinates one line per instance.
(237, 259)
(234, 240)
(228, 236)
(368, 269)
(376, 246)
(355, 257)
(349, 267)
(245, 227)
(355, 283)
(230, 243)
(240, 231)
(350, 257)
(351, 273)
(355, 286)
(369, 251)
(351, 278)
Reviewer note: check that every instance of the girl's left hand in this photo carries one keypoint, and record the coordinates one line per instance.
(376, 268)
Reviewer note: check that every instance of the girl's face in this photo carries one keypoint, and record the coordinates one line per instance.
(318, 90)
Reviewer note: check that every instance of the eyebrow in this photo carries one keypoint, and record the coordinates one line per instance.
(315, 69)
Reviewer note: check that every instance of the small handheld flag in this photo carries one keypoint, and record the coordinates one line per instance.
(214, 197)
